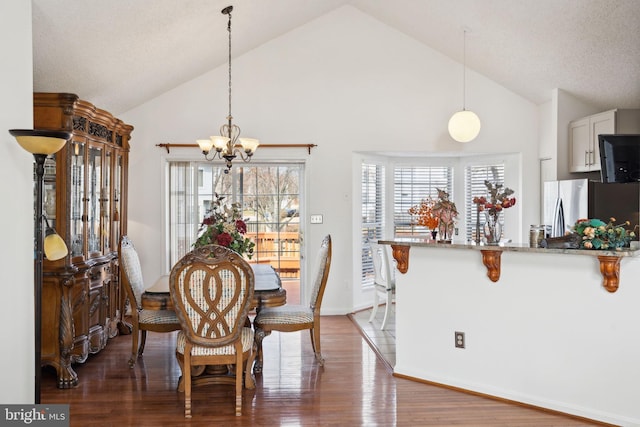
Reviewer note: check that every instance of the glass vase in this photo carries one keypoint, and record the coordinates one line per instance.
(445, 232)
(492, 229)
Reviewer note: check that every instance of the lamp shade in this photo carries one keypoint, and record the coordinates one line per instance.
(220, 142)
(464, 126)
(40, 141)
(249, 145)
(205, 145)
(54, 246)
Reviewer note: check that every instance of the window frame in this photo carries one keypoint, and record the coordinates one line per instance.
(474, 187)
(234, 194)
(378, 225)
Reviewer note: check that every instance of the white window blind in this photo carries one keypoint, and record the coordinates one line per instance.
(372, 215)
(411, 184)
(475, 177)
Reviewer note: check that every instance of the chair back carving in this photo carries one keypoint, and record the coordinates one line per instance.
(322, 274)
(211, 288)
(132, 277)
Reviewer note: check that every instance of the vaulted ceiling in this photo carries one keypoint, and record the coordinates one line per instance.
(121, 53)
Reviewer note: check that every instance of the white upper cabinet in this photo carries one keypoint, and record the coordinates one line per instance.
(584, 152)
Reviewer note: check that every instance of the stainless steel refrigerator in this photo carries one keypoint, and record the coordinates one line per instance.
(567, 201)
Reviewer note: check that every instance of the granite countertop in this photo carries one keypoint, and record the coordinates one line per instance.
(508, 247)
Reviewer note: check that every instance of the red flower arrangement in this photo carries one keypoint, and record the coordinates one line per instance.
(498, 199)
(223, 225)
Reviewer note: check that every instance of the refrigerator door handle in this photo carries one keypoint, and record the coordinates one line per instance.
(557, 228)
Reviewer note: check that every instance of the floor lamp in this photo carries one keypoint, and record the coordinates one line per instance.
(41, 143)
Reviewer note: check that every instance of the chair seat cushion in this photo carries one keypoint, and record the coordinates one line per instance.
(199, 350)
(288, 314)
(158, 317)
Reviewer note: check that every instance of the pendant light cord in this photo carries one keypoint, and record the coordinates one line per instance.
(464, 70)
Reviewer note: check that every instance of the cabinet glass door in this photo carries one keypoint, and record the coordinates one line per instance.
(106, 204)
(49, 189)
(94, 176)
(76, 194)
(117, 203)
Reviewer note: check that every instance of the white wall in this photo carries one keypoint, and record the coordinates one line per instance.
(16, 190)
(547, 333)
(349, 84)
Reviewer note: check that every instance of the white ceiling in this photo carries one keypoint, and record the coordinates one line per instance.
(120, 53)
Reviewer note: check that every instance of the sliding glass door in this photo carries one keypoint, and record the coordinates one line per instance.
(270, 196)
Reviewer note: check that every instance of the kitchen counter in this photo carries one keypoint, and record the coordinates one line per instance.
(538, 329)
(491, 256)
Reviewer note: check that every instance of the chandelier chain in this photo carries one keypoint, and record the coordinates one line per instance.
(229, 31)
(225, 144)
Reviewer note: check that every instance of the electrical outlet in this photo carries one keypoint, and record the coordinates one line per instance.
(459, 337)
(316, 219)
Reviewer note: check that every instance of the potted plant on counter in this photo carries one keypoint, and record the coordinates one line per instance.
(596, 234)
(497, 199)
(423, 213)
(447, 213)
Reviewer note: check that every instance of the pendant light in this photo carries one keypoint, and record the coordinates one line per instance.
(464, 125)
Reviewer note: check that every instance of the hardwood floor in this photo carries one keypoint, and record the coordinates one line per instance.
(382, 342)
(354, 388)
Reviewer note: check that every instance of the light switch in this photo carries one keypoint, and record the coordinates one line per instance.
(316, 219)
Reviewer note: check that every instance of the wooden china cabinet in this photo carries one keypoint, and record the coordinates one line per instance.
(85, 200)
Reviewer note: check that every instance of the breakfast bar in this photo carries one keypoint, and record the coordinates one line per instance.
(553, 328)
(491, 255)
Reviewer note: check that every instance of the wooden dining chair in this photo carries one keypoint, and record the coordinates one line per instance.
(384, 281)
(211, 289)
(142, 320)
(291, 318)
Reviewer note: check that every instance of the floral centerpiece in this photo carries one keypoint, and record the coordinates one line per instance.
(424, 215)
(498, 199)
(446, 212)
(223, 225)
(596, 234)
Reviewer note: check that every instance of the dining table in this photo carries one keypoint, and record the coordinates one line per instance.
(268, 291)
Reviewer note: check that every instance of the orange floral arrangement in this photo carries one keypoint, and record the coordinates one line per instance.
(424, 213)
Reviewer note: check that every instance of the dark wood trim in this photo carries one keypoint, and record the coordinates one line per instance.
(168, 146)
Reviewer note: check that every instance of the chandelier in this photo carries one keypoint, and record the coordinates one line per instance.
(224, 145)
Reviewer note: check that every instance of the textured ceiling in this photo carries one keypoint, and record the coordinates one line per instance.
(121, 53)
